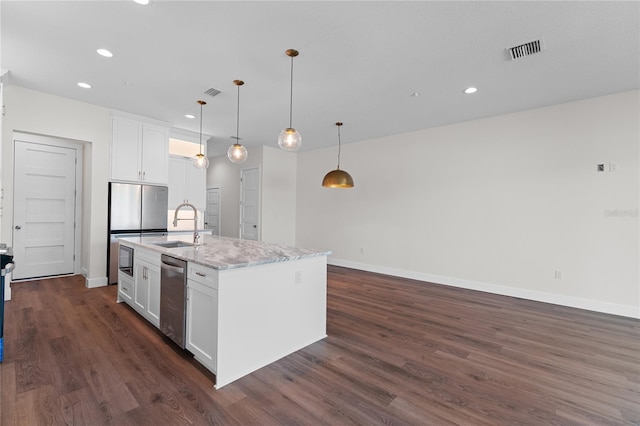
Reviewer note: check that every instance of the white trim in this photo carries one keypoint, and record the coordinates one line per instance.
(96, 282)
(538, 296)
(145, 120)
(7, 287)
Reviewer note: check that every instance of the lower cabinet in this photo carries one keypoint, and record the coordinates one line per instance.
(202, 322)
(146, 285)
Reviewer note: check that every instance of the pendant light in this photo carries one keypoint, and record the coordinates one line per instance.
(338, 178)
(200, 161)
(290, 139)
(237, 153)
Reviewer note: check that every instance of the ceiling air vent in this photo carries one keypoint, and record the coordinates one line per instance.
(525, 49)
(212, 92)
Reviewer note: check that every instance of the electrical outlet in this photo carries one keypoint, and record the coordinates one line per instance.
(614, 167)
(361, 250)
(559, 275)
(298, 278)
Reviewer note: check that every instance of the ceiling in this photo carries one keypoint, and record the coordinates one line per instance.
(380, 67)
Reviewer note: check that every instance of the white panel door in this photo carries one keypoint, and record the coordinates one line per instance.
(44, 210)
(195, 185)
(250, 204)
(177, 188)
(212, 215)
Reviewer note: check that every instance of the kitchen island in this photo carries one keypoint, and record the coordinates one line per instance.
(249, 303)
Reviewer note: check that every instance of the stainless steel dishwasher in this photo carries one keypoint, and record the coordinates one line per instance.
(173, 298)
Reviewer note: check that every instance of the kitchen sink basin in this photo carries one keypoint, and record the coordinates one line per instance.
(173, 244)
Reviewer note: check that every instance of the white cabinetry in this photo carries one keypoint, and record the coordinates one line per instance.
(186, 183)
(146, 288)
(139, 151)
(202, 314)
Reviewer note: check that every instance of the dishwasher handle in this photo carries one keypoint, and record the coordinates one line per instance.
(171, 267)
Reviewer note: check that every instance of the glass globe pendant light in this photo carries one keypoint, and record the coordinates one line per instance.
(237, 153)
(290, 139)
(200, 161)
(338, 178)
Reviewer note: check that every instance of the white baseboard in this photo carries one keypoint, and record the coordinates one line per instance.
(96, 282)
(538, 296)
(7, 287)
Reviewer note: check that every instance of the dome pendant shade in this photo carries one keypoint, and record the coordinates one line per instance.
(337, 179)
(237, 153)
(289, 139)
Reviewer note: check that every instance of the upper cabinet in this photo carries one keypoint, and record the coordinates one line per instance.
(186, 183)
(139, 151)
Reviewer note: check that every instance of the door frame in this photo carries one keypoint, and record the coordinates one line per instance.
(259, 209)
(62, 143)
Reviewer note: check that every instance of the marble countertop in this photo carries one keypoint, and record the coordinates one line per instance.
(225, 253)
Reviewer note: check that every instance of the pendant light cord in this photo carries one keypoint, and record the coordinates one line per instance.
(200, 129)
(339, 148)
(238, 118)
(291, 97)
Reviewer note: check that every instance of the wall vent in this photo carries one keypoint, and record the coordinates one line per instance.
(526, 49)
(212, 92)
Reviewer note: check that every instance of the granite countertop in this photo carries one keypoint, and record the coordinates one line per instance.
(226, 253)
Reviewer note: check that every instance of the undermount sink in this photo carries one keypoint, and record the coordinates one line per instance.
(173, 244)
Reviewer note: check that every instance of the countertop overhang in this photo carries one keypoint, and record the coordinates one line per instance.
(225, 253)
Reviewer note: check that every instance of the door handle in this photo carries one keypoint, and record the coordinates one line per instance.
(18, 227)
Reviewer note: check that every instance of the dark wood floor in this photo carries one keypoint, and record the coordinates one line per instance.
(398, 352)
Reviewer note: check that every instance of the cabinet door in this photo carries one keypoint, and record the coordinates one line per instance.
(141, 286)
(155, 152)
(202, 323)
(177, 188)
(196, 186)
(153, 301)
(126, 149)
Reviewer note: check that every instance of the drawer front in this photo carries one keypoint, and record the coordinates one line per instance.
(203, 275)
(125, 287)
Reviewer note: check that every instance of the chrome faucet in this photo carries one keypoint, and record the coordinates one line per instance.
(196, 236)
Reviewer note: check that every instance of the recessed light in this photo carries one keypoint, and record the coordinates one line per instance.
(190, 116)
(470, 90)
(84, 85)
(105, 53)
(142, 2)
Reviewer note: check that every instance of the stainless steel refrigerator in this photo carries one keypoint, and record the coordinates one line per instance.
(134, 210)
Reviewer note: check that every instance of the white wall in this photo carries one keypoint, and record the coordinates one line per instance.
(497, 204)
(278, 196)
(35, 112)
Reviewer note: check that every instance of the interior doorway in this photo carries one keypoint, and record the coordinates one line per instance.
(250, 203)
(46, 200)
(212, 214)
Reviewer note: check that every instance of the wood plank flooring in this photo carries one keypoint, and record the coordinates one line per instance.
(399, 352)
